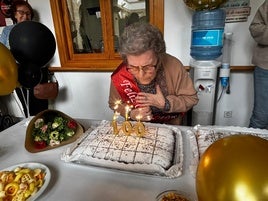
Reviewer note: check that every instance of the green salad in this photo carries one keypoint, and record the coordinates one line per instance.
(52, 129)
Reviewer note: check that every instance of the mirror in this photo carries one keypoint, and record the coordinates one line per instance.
(87, 32)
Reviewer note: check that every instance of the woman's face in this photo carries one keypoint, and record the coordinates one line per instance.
(22, 13)
(143, 66)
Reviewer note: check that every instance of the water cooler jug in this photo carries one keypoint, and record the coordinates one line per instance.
(207, 34)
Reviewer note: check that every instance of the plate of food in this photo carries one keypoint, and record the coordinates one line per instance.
(172, 195)
(50, 129)
(25, 181)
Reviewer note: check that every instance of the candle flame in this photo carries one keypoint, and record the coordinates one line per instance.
(116, 104)
(138, 117)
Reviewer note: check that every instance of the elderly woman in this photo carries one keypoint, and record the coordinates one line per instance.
(154, 83)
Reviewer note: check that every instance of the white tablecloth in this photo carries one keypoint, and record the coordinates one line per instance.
(72, 182)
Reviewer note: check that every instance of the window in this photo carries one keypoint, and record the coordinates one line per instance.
(87, 32)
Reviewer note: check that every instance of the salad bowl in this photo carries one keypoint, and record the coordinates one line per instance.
(51, 129)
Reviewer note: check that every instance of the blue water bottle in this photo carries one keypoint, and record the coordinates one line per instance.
(207, 34)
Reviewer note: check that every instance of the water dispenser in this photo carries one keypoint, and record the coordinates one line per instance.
(205, 79)
(206, 47)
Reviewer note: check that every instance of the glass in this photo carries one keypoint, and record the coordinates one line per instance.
(135, 69)
(126, 12)
(22, 12)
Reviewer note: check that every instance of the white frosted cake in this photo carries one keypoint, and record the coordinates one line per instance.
(158, 152)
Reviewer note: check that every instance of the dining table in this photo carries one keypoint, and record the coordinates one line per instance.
(76, 182)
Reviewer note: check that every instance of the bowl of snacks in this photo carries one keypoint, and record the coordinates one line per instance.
(173, 195)
(50, 129)
(24, 181)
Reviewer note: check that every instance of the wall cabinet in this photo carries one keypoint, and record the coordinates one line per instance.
(87, 32)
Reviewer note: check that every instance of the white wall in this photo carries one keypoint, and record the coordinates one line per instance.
(85, 95)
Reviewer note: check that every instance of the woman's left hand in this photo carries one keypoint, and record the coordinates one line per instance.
(147, 99)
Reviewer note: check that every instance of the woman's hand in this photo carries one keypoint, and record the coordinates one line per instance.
(147, 99)
(144, 113)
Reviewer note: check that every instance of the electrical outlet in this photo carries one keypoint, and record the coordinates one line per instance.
(227, 114)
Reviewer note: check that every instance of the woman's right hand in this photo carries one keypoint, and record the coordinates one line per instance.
(144, 113)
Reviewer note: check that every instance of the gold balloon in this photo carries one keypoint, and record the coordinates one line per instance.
(204, 4)
(8, 71)
(234, 168)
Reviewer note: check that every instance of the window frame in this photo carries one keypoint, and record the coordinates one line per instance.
(105, 61)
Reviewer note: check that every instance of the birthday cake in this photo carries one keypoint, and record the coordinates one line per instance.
(157, 152)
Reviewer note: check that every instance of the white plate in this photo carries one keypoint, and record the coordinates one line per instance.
(33, 165)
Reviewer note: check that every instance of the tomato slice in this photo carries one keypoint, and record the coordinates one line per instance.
(72, 124)
(40, 144)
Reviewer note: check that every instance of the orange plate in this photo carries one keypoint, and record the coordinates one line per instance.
(29, 143)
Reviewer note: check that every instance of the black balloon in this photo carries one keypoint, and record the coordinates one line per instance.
(29, 75)
(32, 42)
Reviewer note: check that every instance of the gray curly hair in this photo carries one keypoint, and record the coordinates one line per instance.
(140, 37)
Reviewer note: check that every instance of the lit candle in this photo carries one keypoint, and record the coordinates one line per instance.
(114, 123)
(116, 114)
(139, 127)
(116, 104)
(127, 110)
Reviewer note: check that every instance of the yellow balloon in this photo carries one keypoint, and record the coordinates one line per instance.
(8, 71)
(234, 168)
(204, 4)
